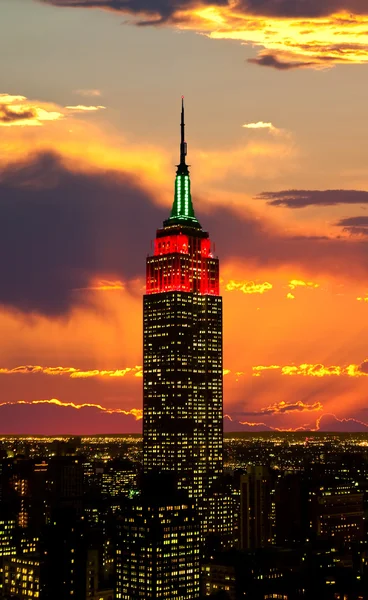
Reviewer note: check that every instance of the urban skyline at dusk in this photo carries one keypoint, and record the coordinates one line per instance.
(278, 160)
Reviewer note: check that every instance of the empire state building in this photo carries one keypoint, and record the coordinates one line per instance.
(182, 353)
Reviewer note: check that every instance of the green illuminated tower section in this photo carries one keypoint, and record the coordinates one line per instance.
(182, 210)
(182, 372)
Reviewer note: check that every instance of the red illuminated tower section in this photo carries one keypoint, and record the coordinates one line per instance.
(182, 373)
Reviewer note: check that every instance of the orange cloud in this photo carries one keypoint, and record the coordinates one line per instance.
(137, 413)
(316, 370)
(315, 34)
(287, 407)
(294, 283)
(83, 108)
(269, 158)
(258, 370)
(72, 372)
(81, 146)
(254, 424)
(248, 287)
(286, 43)
(261, 125)
(19, 111)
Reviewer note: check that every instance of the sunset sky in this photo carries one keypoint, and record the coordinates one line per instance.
(277, 130)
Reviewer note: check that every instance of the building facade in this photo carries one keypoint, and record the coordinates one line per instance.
(158, 550)
(255, 508)
(182, 354)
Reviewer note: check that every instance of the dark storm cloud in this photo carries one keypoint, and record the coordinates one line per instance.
(363, 367)
(304, 198)
(281, 408)
(354, 225)
(259, 245)
(59, 229)
(353, 222)
(361, 231)
(269, 8)
(330, 422)
(304, 8)
(46, 419)
(8, 115)
(161, 10)
(270, 60)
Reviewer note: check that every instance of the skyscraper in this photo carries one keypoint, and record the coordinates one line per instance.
(182, 354)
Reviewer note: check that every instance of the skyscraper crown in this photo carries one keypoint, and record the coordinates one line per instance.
(182, 211)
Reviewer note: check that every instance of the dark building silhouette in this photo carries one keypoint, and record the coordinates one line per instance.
(65, 479)
(255, 508)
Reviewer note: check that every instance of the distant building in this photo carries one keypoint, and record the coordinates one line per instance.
(219, 577)
(7, 543)
(255, 508)
(93, 591)
(338, 513)
(158, 547)
(118, 478)
(65, 479)
(22, 578)
(292, 510)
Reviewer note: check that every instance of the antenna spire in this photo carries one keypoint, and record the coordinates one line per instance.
(183, 145)
(182, 212)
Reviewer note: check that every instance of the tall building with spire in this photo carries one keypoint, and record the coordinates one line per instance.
(182, 354)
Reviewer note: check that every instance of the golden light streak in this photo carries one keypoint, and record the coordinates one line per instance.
(137, 413)
(316, 370)
(294, 283)
(72, 372)
(248, 287)
(260, 125)
(255, 424)
(257, 371)
(83, 108)
(312, 370)
(362, 299)
(307, 427)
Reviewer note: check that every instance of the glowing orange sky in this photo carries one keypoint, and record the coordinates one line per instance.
(294, 280)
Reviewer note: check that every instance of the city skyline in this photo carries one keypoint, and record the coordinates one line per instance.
(278, 167)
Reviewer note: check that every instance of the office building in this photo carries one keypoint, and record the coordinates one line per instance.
(182, 354)
(255, 508)
(158, 547)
